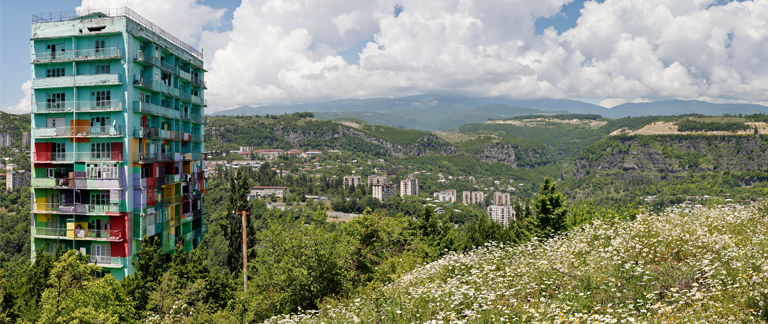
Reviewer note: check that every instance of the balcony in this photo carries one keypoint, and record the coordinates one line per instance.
(145, 183)
(106, 261)
(109, 53)
(77, 81)
(142, 57)
(192, 117)
(77, 106)
(170, 201)
(199, 101)
(77, 234)
(70, 157)
(156, 157)
(173, 178)
(75, 208)
(198, 138)
(155, 110)
(200, 82)
(78, 131)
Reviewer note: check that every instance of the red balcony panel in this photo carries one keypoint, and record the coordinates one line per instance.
(43, 151)
(117, 151)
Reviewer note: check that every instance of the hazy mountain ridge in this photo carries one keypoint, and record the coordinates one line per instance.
(442, 112)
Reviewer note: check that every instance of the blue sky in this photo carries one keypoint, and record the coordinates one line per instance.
(16, 18)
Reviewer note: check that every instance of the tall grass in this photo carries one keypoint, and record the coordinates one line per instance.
(706, 265)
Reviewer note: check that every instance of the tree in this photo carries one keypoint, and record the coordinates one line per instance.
(238, 202)
(147, 263)
(551, 209)
(76, 296)
(436, 232)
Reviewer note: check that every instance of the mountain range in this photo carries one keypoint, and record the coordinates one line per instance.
(447, 113)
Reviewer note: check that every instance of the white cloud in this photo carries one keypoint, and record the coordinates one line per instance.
(612, 102)
(24, 105)
(286, 51)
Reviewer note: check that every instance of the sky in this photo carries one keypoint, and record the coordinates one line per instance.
(269, 52)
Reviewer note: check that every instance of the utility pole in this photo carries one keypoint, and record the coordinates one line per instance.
(245, 254)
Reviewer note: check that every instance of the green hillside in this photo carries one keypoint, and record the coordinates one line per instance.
(14, 124)
(682, 266)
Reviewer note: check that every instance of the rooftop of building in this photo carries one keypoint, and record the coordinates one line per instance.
(265, 187)
(114, 12)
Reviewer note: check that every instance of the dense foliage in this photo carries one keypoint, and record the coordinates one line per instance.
(697, 126)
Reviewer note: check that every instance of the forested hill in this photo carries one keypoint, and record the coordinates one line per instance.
(302, 131)
(14, 124)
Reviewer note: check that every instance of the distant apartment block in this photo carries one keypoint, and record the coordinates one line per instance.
(270, 154)
(384, 191)
(352, 181)
(446, 196)
(11, 166)
(409, 187)
(501, 214)
(26, 139)
(262, 192)
(244, 149)
(116, 137)
(17, 179)
(6, 139)
(379, 170)
(375, 180)
(472, 197)
(500, 198)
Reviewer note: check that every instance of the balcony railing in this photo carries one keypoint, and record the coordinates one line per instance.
(200, 82)
(172, 178)
(77, 80)
(168, 201)
(78, 156)
(76, 208)
(53, 183)
(199, 101)
(145, 183)
(78, 234)
(106, 261)
(192, 117)
(77, 131)
(152, 109)
(146, 132)
(198, 138)
(77, 55)
(156, 157)
(78, 106)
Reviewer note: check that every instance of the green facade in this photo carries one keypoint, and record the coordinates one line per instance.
(117, 137)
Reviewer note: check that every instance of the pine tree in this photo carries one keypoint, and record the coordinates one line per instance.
(551, 209)
(238, 202)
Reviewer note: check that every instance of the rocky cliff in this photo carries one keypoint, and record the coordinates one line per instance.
(674, 155)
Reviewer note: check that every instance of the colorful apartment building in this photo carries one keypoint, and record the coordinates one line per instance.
(117, 137)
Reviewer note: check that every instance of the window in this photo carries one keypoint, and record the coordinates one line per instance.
(59, 151)
(99, 121)
(50, 172)
(102, 69)
(54, 73)
(99, 43)
(99, 199)
(102, 98)
(144, 97)
(146, 172)
(54, 199)
(100, 150)
(56, 100)
(101, 170)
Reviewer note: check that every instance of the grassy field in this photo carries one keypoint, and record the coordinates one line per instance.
(684, 266)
